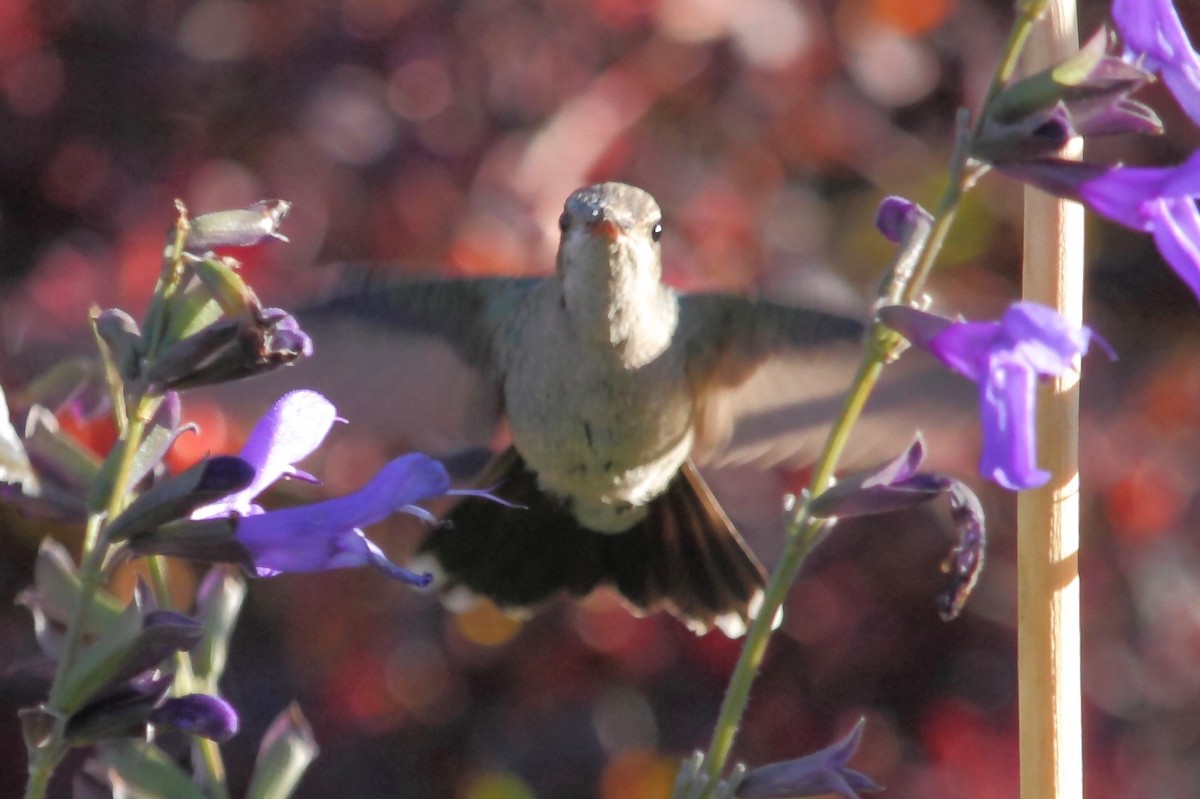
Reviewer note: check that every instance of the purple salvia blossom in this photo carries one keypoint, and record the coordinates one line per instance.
(327, 535)
(1160, 201)
(897, 485)
(1005, 358)
(199, 714)
(1153, 33)
(124, 711)
(896, 215)
(324, 535)
(291, 431)
(820, 773)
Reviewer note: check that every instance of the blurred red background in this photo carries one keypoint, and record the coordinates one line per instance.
(445, 136)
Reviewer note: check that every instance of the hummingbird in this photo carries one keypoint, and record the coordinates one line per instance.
(613, 388)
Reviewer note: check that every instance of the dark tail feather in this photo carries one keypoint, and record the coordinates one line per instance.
(684, 556)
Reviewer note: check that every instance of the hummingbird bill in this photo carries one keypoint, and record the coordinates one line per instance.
(614, 390)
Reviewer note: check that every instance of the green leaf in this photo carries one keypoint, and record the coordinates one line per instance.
(43, 437)
(225, 285)
(177, 496)
(219, 600)
(58, 589)
(194, 310)
(287, 750)
(99, 662)
(147, 772)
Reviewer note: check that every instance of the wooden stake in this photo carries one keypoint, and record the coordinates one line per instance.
(1048, 517)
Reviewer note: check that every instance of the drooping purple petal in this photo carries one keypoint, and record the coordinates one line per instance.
(327, 535)
(1156, 200)
(1177, 236)
(964, 563)
(1152, 30)
(1007, 414)
(199, 714)
(294, 427)
(820, 773)
(1121, 193)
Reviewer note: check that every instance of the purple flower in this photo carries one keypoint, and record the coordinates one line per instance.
(817, 774)
(291, 431)
(323, 535)
(1156, 200)
(1153, 32)
(897, 485)
(200, 714)
(327, 535)
(125, 710)
(1005, 358)
(1159, 201)
(896, 215)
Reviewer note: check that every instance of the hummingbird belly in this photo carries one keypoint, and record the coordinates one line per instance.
(607, 438)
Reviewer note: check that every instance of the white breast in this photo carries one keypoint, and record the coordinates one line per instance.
(607, 435)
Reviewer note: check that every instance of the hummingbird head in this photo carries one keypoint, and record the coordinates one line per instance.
(610, 229)
(610, 263)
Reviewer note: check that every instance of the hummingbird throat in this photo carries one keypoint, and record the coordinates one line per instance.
(622, 305)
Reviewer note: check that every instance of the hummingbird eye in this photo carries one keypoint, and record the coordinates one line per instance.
(564, 221)
(656, 231)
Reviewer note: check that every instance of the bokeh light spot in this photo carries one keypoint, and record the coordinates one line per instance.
(219, 184)
(77, 173)
(486, 625)
(498, 786)
(213, 436)
(33, 84)
(419, 89)
(348, 119)
(216, 30)
(638, 774)
(913, 17)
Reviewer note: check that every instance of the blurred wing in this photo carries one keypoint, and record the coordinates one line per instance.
(408, 364)
(464, 313)
(773, 378)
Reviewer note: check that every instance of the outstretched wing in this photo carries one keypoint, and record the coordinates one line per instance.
(463, 313)
(773, 378)
(409, 363)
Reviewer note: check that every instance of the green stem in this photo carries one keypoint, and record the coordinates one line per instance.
(1028, 13)
(95, 550)
(44, 759)
(804, 531)
(41, 768)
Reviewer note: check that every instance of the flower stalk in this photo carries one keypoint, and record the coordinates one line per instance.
(105, 508)
(804, 532)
